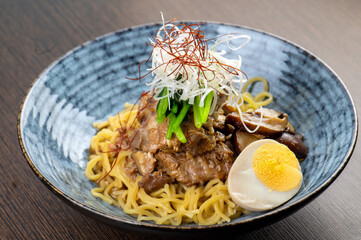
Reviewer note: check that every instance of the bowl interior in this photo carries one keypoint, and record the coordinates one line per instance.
(88, 84)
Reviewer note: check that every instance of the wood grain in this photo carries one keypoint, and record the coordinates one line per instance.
(34, 33)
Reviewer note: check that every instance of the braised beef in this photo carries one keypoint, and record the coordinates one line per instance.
(145, 162)
(130, 167)
(205, 156)
(154, 181)
(152, 136)
(189, 169)
(200, 140)
(219, 124)
(209, 151)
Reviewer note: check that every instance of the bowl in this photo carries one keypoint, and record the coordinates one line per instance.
(89, 84)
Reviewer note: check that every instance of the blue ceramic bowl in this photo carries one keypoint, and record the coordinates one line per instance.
(88, 84)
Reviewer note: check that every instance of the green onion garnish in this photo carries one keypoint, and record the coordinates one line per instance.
(162, 106)
(178, 131)
(207, 107)
(197, 112)
(181, 116)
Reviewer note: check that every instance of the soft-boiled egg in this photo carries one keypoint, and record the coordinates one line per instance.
(265, 175)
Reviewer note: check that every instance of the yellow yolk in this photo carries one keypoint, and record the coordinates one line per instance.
(277, 167)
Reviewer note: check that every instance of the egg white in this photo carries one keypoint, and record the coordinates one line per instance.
(247, 190)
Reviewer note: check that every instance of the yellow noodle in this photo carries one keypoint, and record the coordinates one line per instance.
(89, 173)
(248, 102)
(100, 125)
(98, 192)
(253, 80)
(174, 203)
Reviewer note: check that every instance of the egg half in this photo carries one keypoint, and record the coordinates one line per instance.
(265, 175)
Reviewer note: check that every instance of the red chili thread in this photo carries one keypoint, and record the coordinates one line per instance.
(191, 52)
(123, 135)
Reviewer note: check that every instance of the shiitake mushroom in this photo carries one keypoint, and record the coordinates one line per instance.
(271, 124)
(295, 143)
(268, 121)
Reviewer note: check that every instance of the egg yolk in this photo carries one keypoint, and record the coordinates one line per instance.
(277, 167)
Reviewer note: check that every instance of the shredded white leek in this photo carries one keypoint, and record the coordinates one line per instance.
(218, 73)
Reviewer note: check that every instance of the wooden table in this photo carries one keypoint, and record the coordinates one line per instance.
(35, 33)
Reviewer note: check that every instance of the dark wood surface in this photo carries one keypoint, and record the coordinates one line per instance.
(33, 33)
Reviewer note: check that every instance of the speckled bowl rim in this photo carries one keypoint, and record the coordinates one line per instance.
(152, 226)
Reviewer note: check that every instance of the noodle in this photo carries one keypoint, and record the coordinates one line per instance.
(174, 203)
(261, 99)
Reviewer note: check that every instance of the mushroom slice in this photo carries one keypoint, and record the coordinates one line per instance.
(241, 140)
(270, 122)
(294, 143)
